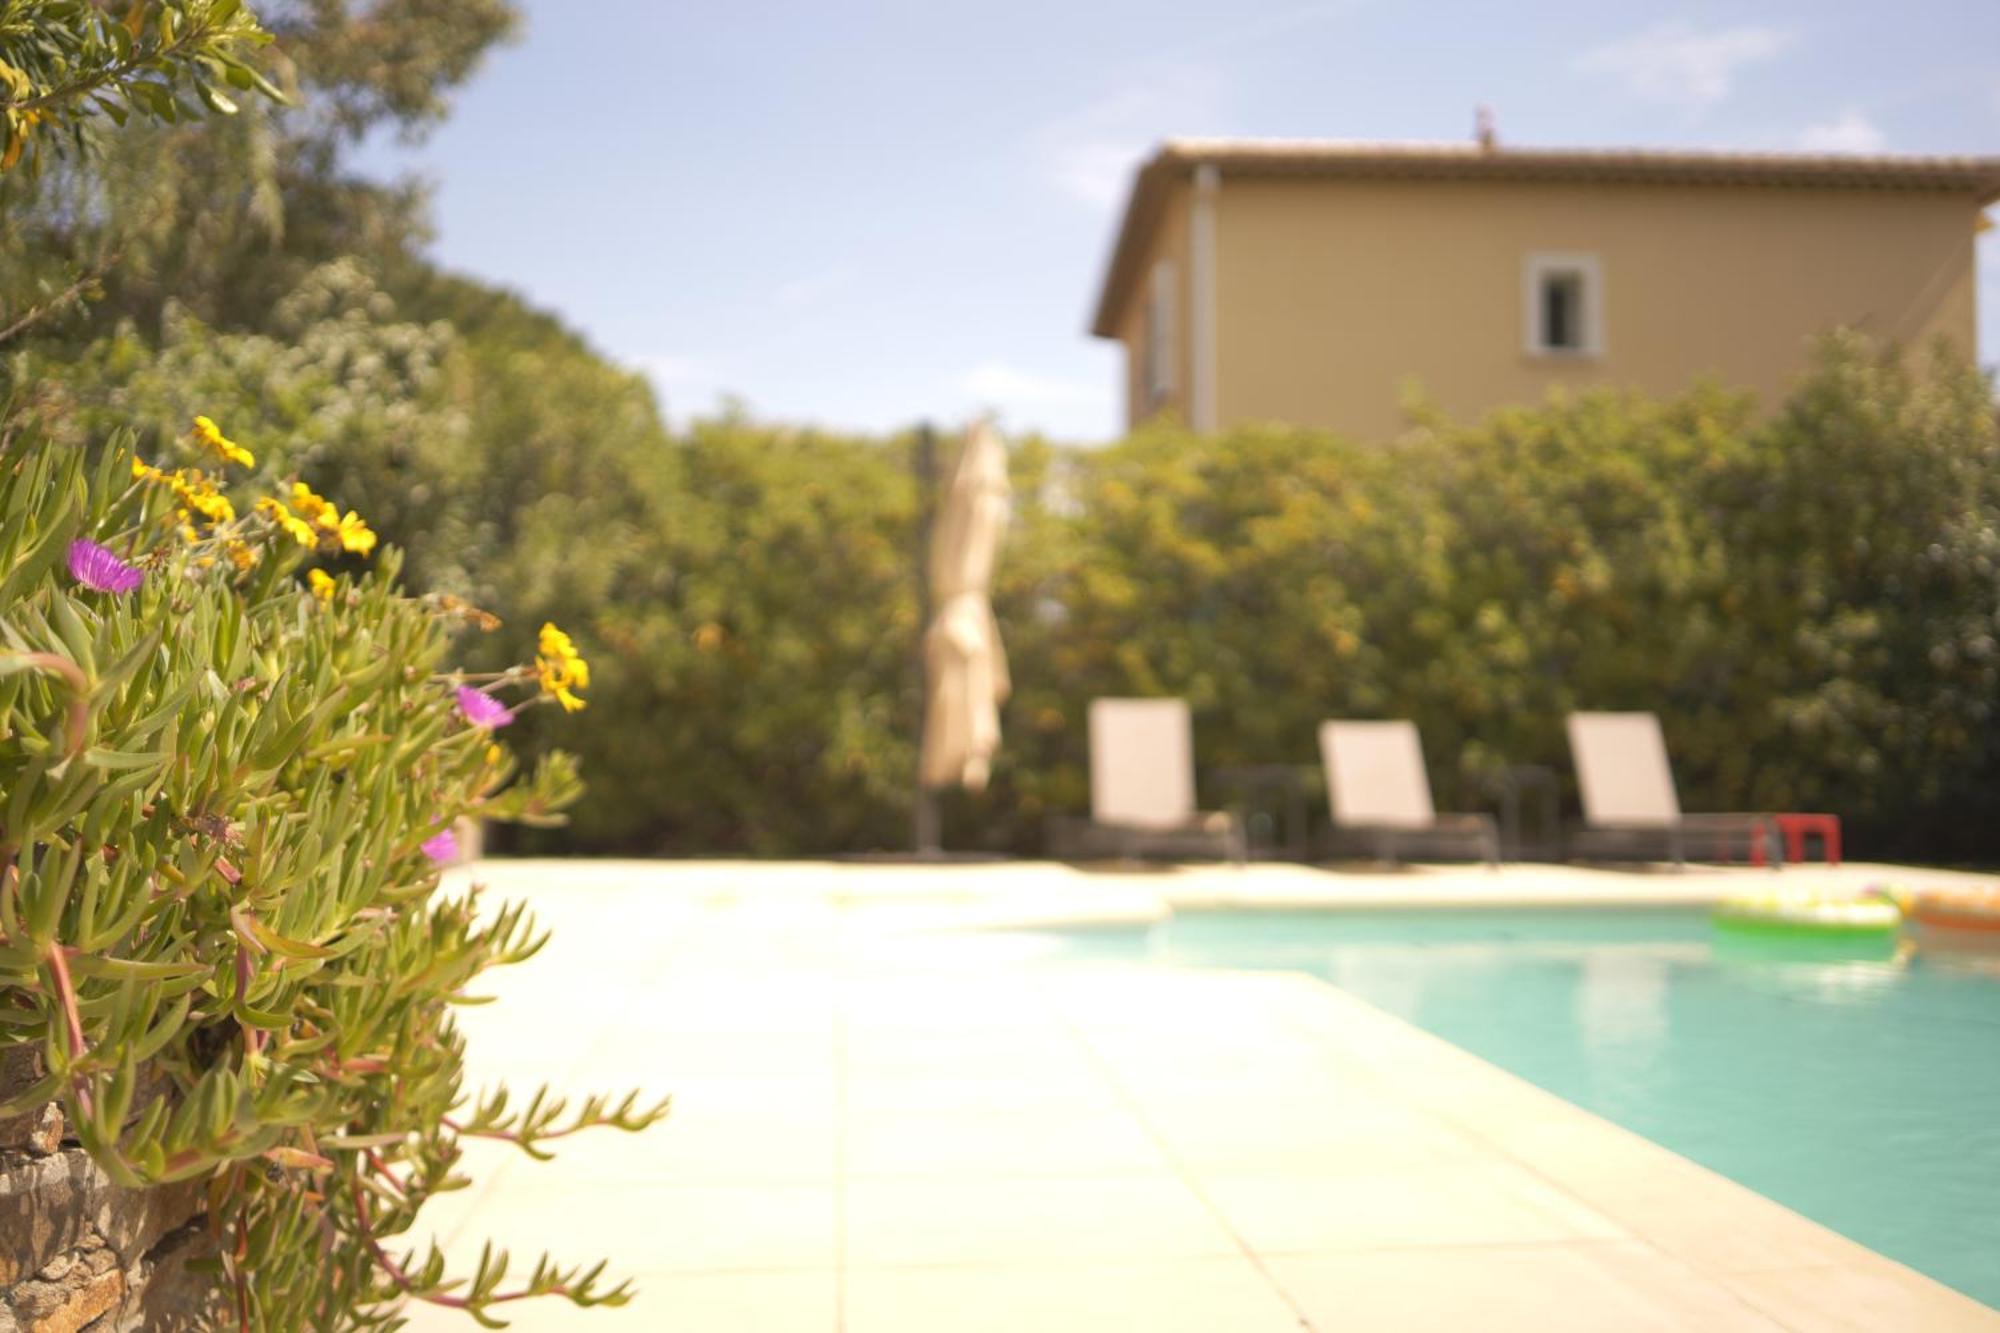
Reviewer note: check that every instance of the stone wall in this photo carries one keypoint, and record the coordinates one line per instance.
(78, 1251)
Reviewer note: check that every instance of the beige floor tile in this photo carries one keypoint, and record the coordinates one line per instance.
(1191, 1296)
(1046, 1051)
(1216, 1150)
(722, 1129)
(961, 1144)
(1577, 1288)
(1864, 1296)
(796, 1011)
(737, 1000)
(651, 1228)
(503, 1046)
(656, 1055)
(940, 1001)
(782, 1301)
(1459, 1204)
(1302, 1125)
(877, 1091)
(895, 1223)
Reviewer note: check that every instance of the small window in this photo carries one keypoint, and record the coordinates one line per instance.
(1563, 306)
(1562, 312)
(1159, 346)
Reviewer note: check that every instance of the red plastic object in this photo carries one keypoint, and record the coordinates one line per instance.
(1797, 827)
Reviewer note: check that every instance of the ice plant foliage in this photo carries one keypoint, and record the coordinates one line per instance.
(220, 841)
(96, 567)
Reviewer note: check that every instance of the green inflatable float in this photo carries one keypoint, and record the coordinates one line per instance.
(1809, 916)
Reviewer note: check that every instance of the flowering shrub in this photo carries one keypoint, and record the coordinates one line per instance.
(227, 786)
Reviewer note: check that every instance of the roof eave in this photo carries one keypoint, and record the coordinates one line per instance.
(1173, 158)
(1142, 209)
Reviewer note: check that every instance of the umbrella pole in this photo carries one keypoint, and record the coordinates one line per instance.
(924, 465)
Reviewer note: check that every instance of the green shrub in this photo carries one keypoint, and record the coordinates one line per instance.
(1806, 596)
(227, 790)
(753, 625)
(1809, 599)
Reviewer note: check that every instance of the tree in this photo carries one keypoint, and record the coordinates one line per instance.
(225, 218)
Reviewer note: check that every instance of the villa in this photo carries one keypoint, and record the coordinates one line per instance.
(1315, 282)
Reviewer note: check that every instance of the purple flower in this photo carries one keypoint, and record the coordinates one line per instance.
(482, 709)
(442, 847)
(96, 567)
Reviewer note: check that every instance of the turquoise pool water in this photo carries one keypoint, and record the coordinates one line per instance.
(1862, 1091)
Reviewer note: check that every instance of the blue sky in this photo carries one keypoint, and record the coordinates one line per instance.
(861, 214)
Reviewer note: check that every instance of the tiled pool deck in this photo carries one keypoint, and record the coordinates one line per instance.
(872, 1134)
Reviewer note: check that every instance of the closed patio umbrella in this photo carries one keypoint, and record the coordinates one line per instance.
(965, 668)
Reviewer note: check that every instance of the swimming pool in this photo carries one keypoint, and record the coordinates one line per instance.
(1861, 1091)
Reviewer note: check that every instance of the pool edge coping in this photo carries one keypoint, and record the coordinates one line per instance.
(1469, 1079)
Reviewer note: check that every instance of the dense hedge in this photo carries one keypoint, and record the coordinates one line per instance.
(1809, 599)
(1805, 593)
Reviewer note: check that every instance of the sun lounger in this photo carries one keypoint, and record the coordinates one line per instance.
(1629, 802)
(1377, 788)
(1142, 787)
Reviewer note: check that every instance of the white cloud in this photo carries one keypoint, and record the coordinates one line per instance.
(1849, 132)
(1090, 154)
(812, 288)
(1676, 64)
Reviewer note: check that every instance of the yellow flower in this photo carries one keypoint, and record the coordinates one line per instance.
(561, 668)
(313, 508)
(211, 504)
(322, 584)
(194, 490)
(287, 522)
(556, 687)
(241, 553)
(222, 447)
(555, 643)
(353, 534)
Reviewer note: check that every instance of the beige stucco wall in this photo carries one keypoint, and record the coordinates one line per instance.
(1333, 295)
(1169, 241)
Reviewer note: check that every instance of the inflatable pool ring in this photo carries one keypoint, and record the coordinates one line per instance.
(1810, 916)
(1965, 918)
(1900, 894)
